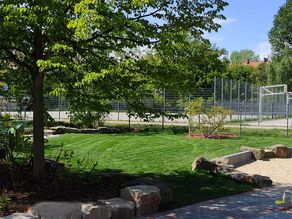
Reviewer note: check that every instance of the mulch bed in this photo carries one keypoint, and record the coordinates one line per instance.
(216, 136)
(67, 187)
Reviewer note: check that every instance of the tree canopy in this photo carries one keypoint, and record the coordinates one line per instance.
(281, 33)
(237, 57)
(86, 47)
(280, 69)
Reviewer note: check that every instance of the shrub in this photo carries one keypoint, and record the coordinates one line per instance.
(194, 108)
(5, 117)
(210, 119)
(4, 201)
(48, 119)
(14, 143)
(88, 118)
(213, 120)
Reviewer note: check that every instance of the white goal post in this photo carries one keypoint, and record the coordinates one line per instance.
(274, 90)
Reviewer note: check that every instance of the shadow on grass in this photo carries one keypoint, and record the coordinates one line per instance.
(192, 187)
(188, 187)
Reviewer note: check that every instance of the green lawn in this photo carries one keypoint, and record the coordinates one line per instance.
(165, 155)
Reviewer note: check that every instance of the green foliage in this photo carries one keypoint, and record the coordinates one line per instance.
(91, 48)
(283, 202)
(15, 143)
(279, 202)
(194, 108)
(5, 117)
(87, 119)
(210, 120)
(4, 201)
(281, 33)
(280, 69)
(213, 120)
(262, 74)
(242, 72)
(239, 57)
(49, 121)
(185, 65)
(87, 47)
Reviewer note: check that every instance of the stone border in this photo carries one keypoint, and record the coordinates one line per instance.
(238, 159)
(140, 200)
(102, 130)
(227, 164)
(249, 154)
(215, 167)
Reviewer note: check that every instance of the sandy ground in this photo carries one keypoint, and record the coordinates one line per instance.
(279, 170)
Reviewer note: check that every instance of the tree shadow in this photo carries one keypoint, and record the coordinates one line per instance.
(188, 187)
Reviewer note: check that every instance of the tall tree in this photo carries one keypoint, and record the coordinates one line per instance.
(242, 72)
(237, 57)
(79, 43)
(280, 69)
(183, 66)
(281, 33)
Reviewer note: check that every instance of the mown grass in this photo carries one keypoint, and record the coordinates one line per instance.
(162, 154)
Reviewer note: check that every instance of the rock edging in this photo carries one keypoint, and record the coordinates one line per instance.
(138, 200)
(228, 170)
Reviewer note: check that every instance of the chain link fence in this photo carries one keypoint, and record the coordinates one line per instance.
(240, 97)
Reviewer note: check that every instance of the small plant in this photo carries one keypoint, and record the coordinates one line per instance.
(213, 120)
(194, 108)
(210, 119)
(5, 117)
(14, 143)
(88, 119)
(284, 202)
(48, 119)
(4, 201)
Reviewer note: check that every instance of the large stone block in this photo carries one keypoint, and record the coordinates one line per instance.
(93, 211)
(146, 198)
(21, 216)
(165, 191)
(290, 152)
(203, 163)
(281, 152)
(269, 153)
(259, 154)
(120, 208)
(237, 176)
(56, 210)
(236, 159)
(261, 181)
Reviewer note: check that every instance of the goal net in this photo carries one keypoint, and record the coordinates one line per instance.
(273, 101)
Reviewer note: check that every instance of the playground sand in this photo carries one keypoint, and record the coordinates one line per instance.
(279, 170)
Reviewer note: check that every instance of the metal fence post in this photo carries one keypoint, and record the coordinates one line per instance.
(230, 94)
(59, 105)
(118, 110)
(260, 106)
(222, 91)
(240, 124)
(9, 106)
(214, 94)
(164, 105)
(287, 115)
(245, 98)
(238, 98)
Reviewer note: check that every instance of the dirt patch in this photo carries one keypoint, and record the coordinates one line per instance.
(216, 136)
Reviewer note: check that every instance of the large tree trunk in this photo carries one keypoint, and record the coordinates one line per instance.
(38, 107)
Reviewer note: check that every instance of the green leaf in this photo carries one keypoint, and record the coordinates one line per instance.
(279, 202)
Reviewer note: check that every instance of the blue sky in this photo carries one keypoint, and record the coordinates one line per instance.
(247, 25)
